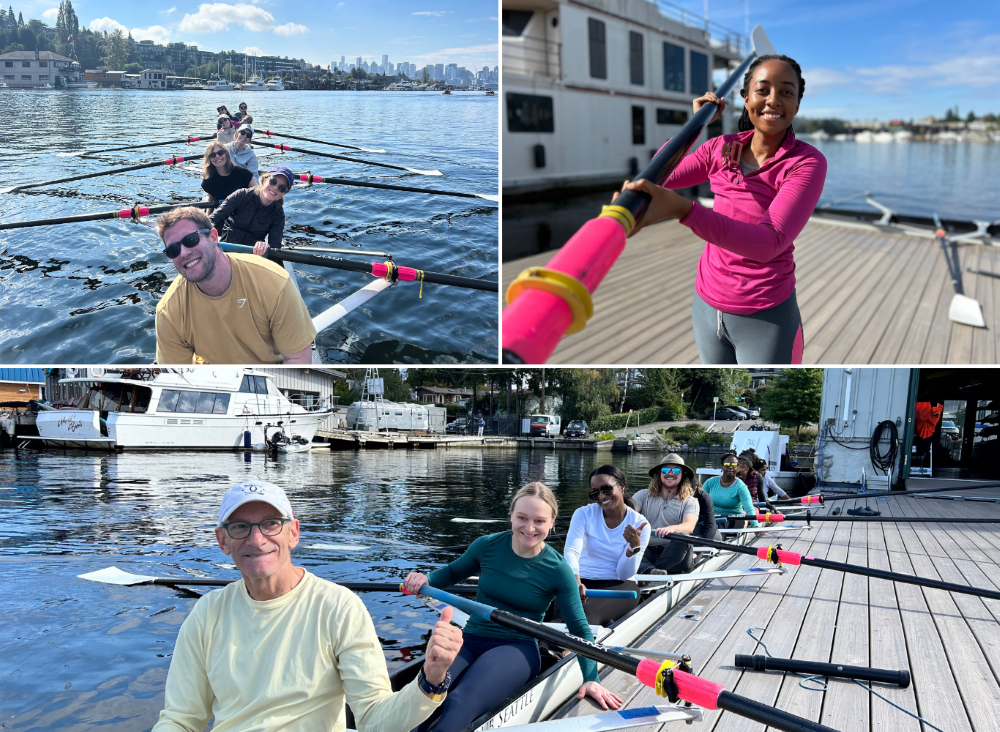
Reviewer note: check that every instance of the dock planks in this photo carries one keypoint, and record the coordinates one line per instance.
(865, 297)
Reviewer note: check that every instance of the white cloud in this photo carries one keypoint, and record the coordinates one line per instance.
(435, 13)
(253, 51)
(967, 71)
(155, 33)
(171, 10)
(291, 29)
(106, 24)
(51, 14)
(215, 17)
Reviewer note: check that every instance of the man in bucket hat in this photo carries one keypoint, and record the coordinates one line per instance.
(673, 503)
(283, 649)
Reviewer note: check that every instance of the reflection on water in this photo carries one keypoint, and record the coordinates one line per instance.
(76, 654)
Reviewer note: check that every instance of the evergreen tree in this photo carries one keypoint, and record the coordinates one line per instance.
(115, 49)
(20, 21)
(793, 400)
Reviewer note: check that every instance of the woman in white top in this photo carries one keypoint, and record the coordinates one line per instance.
(670, 507)
(604, 544)
(766, 482)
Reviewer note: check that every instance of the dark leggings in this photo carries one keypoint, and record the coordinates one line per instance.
(485, 672)
(773, 335)
(673, 557)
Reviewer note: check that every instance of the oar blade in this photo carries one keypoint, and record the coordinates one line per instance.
(71, 155)
(967, 311)
(370, 150)
(621, 719)
(115, 576)
(424, 172)
(761, 45)
(475, 521)
(489, 197)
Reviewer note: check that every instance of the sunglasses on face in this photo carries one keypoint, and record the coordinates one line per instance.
(280, 186)
(604, 490)
(190, 241)
(246, 134)
(729, 464)
(217, 154)
(671, 471)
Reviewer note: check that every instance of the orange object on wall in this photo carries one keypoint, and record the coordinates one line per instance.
(927, 418)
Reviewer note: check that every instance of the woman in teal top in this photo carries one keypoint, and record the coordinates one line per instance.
(519, 573)
(730, 494)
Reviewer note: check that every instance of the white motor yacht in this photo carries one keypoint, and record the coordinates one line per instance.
(255, 84)
(217, 83)
(274, 84)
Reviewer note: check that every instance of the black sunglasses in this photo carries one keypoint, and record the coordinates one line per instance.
(190, 241)
(217, 154)
(280, 186)
(246, 133)
(604, 490)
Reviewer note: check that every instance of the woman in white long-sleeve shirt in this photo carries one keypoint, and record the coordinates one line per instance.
(766, 483)
(605, 542)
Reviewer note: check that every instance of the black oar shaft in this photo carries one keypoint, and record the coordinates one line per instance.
(168, 161)
(269, 133)
(192, 138)
(309, 178)
(766, 714)
(463, 547)
(289, 148)
(899, 678)
(781, 556)
(125, 213)
(808, 518)
(885, 494)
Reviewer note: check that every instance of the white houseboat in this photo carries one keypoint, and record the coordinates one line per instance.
(178, 408)
(592, 88)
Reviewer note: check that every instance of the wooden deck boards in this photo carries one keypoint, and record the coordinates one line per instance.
(865, 297)
(949, 642)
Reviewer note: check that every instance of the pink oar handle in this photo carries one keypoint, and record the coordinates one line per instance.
(690, 688)
(537, 320)
(784, 557)
(769, 518)
(812, 499)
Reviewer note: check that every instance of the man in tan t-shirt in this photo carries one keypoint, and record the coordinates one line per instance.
(226, 308)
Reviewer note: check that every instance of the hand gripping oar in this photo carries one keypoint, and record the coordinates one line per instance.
(669, 679)
(135, 147)
(310, 178)
(115, 576)
(963, 309)
(769, 663)
(387, 270)
(808, 517)
(777, 555)
(270, 133)
(134, 213)
(168, 161)
(545, 303)
(821, 499)
(288, 148)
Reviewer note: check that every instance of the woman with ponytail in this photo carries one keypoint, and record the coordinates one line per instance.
(766, 184)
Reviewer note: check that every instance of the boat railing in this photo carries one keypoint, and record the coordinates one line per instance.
(716, 34)
(311, 403)
(533, 56)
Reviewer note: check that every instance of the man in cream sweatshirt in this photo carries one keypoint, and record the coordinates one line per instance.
(284, 649)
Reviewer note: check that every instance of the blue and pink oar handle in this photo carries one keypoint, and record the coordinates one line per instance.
(605, 594)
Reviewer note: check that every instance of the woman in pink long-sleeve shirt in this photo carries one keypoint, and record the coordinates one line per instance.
(766, 185)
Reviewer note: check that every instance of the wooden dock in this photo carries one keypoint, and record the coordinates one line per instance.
(950, 643)
(363, 440)
(865, 296)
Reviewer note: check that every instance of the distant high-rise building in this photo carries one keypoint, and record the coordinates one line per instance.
(385, 60)
(438, 72)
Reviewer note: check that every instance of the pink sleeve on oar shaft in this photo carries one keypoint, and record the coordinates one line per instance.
(770, 518)
(785, 557)
(536, 321)
(690, 688)
(379, 269)
(127, 213)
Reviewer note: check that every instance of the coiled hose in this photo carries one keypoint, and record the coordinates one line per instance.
(884, 461)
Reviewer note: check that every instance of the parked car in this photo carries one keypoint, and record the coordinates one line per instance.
(544, 425)
(576, 428)
(949, 428)
(459, 426)
(728, 413)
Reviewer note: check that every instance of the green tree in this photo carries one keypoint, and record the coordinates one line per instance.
(396, 389)
(658, 388)
(425, 77)
(586, 393)
(971, 117)
(115, 48)
(952, 115)
(700, 385)
(793, 398)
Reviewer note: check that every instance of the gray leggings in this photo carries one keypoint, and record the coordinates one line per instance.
(769, 336)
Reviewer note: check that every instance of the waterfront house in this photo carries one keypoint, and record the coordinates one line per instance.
(153, 79)
(33, 69)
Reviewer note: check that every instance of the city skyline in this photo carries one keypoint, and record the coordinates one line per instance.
(443, 31)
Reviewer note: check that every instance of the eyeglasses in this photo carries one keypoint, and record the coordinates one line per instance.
(190, 241)
(217, 154)
(729, 463)
(280, 186)
(242, 529)
(246, 133)
(604, 490)
(671, 471)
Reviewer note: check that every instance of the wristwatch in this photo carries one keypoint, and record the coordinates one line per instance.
(632, 551)
(436, 692)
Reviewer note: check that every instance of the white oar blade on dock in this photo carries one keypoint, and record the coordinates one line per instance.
(349, 303)
(966, 311)
(425, 172)
(761, 44)
(115, 576)
(622, 719)
(699, 576)
(763, 529)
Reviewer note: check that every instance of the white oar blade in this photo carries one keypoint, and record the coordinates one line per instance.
(762, 529)
(459, 618)
(425, 172)
(71, 155)
(475, 521)
(372, 151)
(622, 719)
(966, 311)
(338, 547)
(761, 45)
(598, 631)
(115, 576)
(489, 197)
(332, 315)
(699, 576)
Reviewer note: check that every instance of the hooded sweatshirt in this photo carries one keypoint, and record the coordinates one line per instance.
(747, 264)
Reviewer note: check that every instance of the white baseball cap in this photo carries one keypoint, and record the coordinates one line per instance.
(254, 491)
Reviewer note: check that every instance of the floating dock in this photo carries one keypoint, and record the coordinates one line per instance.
(361, 440)
(947, 641)
(866, 296)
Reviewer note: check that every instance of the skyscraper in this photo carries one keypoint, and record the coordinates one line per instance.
(438, 72)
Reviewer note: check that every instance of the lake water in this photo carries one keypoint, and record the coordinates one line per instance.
(956, 180)
(86, 292)
(80, 655)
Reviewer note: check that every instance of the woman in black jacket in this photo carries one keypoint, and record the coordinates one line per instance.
(251, 214)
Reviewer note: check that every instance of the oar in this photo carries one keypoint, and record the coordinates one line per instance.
(963, 309)
(559, 519)
(288, 148)
(134, 213)
(135, 147)
(779, 556)
(115, 576)
(388, 270)
(821, 499)
(168, 161)
(546, 303)
(270, 133)
(309, 178)
(667, 678)
(772, 518)
(463, 547)
(900, 678)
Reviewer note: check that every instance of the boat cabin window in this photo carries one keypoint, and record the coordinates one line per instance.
(635, 60)
(671, 117)
(105, 397)
(598, 48)
(204, 402)
(261, 384)
(638, 125)
(699, 73)
(515, 21)
(529, 113)
(254, 384)
(673, 67)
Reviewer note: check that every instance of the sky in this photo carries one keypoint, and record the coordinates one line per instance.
(320, 31)
(884, 59)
